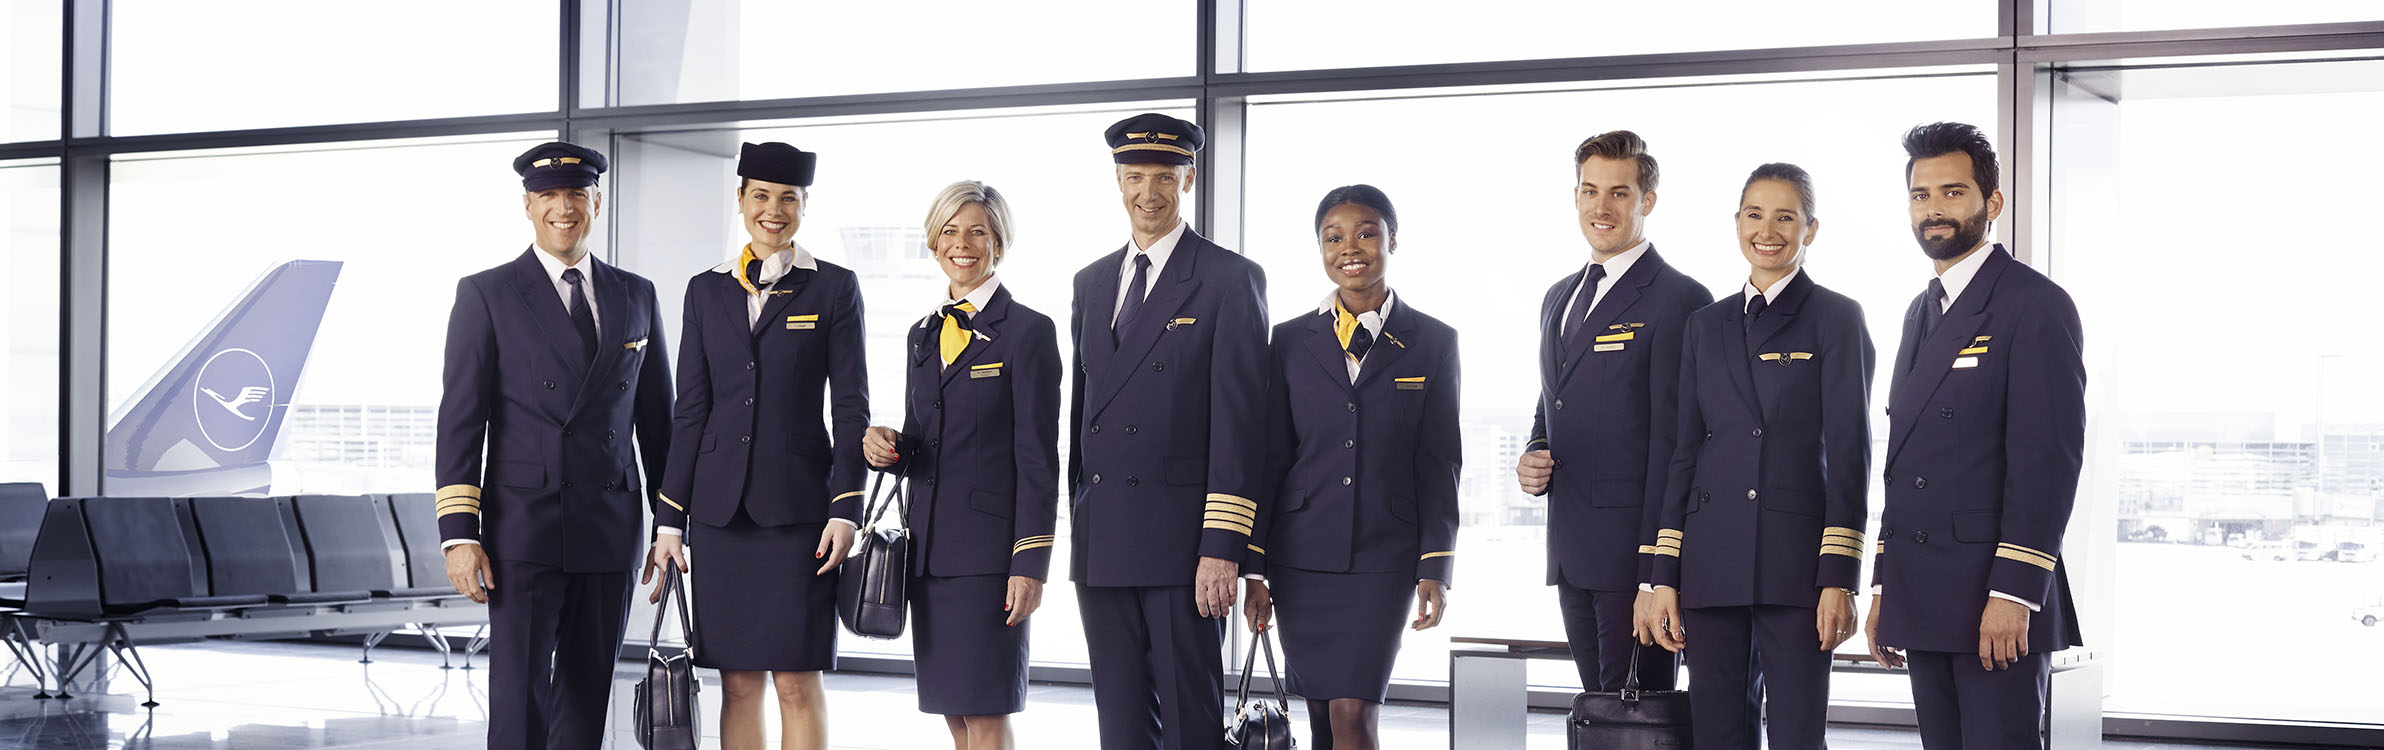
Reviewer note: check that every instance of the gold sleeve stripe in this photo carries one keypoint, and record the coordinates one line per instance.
(2018, 548)
(667, 501)
(1668, 551)
(1647, 549)
(1430, 555)
(1840, 549)
(1030, 545)
(1233, 526)
(1668, 534)
(2024, 557)
(1673, 543)
(449, 510)
(1256, 548)
(459, 490)
(1219, 497)
(1842, 531)
(1541, 441)
(855, 493)
(1227, 511)
(1882, 549)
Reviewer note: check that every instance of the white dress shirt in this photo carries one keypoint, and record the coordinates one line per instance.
(1748, 291)
(1159, 252)
(977, 298)
(1615, 267)
(587, 281)
(1371, 319)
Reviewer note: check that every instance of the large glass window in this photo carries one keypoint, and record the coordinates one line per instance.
(29, 76)
(2209, 223)
(276, 320)
(867, 213)
(1296, 36)
(182, 67)
(2084, 16)
(722, 50)
(29, 323)
(1483, 235)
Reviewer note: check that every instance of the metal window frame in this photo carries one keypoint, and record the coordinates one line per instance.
(2024, 54)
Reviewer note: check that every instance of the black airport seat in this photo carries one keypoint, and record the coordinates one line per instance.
(421, 565)
(131, 550)
(21, 506)
(247, 552)
(348, 543)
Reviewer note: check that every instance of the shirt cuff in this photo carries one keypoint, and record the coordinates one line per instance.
(2032, 606)
(451, 543)
(674, 530)
(1649, 588)
(1875, 588)
(847, 522)
(1259, 577)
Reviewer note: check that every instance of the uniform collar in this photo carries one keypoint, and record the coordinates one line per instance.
(1159, 251)
(1958, 277)
(1747, 291)
(775, 264)
(1621, 262)
(979, 298)
(554, 266)
(1331, 307)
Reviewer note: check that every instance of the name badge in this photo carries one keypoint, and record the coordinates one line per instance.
(638, 344)
(986, 371)
(802, 322)
(1617, 337)
(1965, 363)
(1613, 347)
(1408, 384)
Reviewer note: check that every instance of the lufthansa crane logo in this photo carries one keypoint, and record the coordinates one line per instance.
(233, 400)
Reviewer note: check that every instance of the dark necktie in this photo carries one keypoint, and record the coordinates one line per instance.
(1754, 307)
(1932, 309)
(1582, 300)
(583, 317)
(1359, 342)
(1134, 291)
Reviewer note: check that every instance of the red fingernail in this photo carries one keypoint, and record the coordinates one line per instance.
(818, 555)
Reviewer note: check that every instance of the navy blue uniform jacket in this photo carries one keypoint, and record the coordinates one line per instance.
(558, 483)
(1986, 433)
(1607, 418)
(1366, 474)
(981, 442)
(1167, 422)
(1766, 498)
(748, 429)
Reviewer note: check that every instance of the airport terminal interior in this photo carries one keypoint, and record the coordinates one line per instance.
(231, 236)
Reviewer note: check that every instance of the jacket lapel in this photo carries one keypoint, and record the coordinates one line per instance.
(1325, 346)
(1552, 310)
(1099, 305)
(987, 323)
(537, 294)
(1741, 360)
(1388, 347)
(1618, 301)
(1175, 287)
(1933, 357)
(1778, 313)
(784, 291)
(612, 298)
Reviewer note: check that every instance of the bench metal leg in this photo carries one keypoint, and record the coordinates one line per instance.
(479, 641)
(73, 660)
(28, 655)
(1489, 702)
(430, 634)
(129, 655)
(370, 640)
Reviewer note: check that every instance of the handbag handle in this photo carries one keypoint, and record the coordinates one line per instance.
(1250, 661)
(674, 593)
(879, 499)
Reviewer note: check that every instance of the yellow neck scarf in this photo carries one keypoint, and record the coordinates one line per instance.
(954, 340)
(1344, 325)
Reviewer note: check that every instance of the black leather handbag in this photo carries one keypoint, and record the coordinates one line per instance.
(1630, 718)
(874, 592)
(1258, 724)
(666, 698)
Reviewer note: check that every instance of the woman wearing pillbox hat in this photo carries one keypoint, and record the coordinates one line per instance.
(771, 341)
(980, 442)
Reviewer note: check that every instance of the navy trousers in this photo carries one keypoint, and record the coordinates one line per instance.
(1739, 655)
(1962, 706)
(1158, 668)
(1598, 628)
(553, 639)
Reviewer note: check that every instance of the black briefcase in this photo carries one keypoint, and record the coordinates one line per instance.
(666, 698)
(1258, 724)
(1630, 718)
(874, 592)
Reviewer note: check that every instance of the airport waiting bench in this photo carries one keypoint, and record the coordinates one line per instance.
(106, 575)
(1489, 693)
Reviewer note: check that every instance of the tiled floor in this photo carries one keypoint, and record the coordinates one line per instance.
(267, 696)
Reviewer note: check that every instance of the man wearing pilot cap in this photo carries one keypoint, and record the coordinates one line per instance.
(553, 366)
